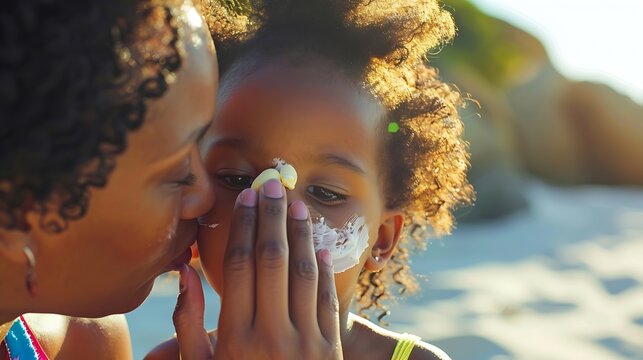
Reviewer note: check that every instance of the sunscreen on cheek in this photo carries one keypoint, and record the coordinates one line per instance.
(346, 244)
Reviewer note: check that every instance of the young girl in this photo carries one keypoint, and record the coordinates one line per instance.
(339, 90)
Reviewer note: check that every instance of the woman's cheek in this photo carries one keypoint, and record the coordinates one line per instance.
(156, 227)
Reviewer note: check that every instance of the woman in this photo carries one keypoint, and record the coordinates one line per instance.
(102, 107)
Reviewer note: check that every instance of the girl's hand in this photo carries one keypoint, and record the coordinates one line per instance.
(279, 299)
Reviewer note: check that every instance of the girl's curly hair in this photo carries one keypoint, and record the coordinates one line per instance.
(383, 46)
(74, 78)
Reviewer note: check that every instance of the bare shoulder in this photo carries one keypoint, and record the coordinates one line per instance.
(67, 337)
(379, 343)
(102, 338)
(169, 349)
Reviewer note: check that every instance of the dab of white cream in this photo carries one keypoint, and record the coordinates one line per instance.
(346, 244)
(211, 226)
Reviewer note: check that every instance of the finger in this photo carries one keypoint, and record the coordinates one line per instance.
(193, 339)
(327, 303)
(272, 257)
(303, 269)
(238, 295)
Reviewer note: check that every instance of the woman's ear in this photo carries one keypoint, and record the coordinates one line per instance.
(388, 236)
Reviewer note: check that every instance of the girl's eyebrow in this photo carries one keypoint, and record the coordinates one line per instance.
(334, 159)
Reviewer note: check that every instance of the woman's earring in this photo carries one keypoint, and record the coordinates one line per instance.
(30, 279)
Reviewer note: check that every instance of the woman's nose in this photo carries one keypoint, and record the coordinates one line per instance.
(198, 198)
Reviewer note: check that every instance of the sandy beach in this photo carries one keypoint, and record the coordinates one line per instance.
(561, 280)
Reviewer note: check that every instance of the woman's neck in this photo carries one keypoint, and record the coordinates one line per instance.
(8, 312)
(12, 303)
(7, 316)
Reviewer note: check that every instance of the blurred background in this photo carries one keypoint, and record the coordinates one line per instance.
(549, 262)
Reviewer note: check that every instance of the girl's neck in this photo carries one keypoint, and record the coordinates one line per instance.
(348, 333)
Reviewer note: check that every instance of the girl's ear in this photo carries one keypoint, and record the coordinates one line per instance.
(388, 236)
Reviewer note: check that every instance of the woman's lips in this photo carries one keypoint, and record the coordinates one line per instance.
(180, 260)
(186, 233)
(184, 258)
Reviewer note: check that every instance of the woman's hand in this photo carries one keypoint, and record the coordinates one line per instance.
(279, 299)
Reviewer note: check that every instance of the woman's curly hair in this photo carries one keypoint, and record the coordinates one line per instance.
(383, 46)
(74, 78)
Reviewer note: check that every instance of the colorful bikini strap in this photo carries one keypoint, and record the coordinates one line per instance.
(404, 347)
(22, 344)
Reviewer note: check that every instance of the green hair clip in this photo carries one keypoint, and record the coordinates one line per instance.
(393, 127)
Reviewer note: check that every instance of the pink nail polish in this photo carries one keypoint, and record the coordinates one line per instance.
(248, 198)
(298, 210)
(325, 256)
(273, 189)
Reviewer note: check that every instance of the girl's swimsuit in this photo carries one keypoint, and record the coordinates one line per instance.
(404, 347)
(21, 344)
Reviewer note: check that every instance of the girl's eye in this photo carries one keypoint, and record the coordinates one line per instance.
(324, 195)
(237, 182)
(189, 180)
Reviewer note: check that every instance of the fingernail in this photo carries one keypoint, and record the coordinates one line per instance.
(273, 189)
(183, 282)
(248, 198)
(298, 210)
(325, 256)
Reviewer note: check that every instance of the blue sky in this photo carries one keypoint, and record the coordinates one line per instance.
(597, 40)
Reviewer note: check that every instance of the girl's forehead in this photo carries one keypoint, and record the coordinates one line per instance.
(311, 80)
(295, 120)
(295, 106)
